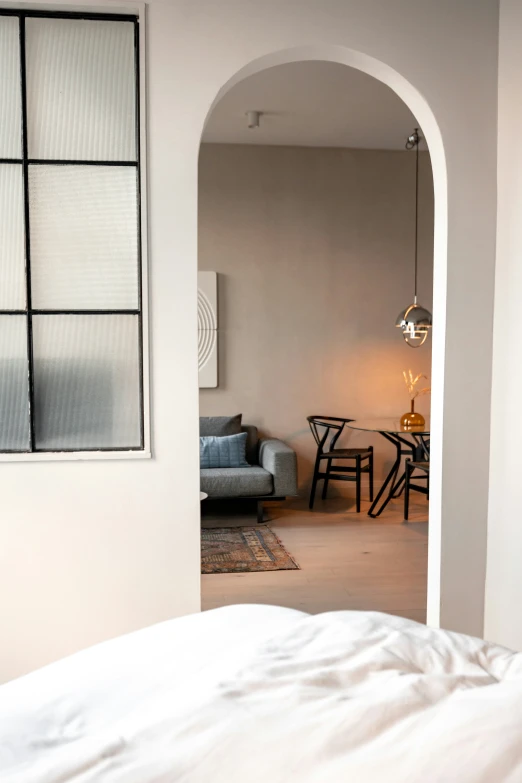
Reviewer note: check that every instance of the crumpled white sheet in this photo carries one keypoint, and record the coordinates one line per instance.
(259, 693)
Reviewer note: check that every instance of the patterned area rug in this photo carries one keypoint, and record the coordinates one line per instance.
(229, 550)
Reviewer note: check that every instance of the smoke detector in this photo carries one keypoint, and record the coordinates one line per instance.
(253, 118)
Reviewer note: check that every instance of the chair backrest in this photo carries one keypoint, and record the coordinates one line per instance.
(324, 427)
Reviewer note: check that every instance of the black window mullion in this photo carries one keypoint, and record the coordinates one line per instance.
(37, 311)
(25, 169)
(39, 162)
(100, 17)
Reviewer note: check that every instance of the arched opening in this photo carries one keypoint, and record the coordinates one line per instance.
(432, 135)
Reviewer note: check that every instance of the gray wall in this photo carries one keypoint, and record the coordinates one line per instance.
(314, 250)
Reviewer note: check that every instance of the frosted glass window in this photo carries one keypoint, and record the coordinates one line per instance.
(84, 237)
(86, 381)
(81, 90)
(12, 237)
(71, 369)
(10, 94)
(14, 385)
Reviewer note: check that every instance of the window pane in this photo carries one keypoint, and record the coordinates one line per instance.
(84, 237)
(80, 89)
(14, 385)
(12, 249)
(10, 94)
(86, 381)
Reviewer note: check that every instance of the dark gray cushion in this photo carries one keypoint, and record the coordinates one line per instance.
(219, 426)
(225, 452)
(252, 444)
(236, 482)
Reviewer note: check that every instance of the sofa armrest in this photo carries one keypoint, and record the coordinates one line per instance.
(280, 460)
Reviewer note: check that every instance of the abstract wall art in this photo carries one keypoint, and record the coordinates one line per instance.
(207, 330)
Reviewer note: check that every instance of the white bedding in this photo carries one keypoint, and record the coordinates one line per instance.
(259, 693)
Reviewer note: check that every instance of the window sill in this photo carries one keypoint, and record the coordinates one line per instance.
(75, 456)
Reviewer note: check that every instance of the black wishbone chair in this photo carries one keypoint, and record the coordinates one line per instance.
(422, 464)
(326, 431)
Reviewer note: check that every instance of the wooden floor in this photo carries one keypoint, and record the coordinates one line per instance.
(347, 560)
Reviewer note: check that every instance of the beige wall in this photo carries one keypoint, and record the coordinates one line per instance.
(314, 250)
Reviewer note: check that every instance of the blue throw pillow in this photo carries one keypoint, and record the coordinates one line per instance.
(225, 452)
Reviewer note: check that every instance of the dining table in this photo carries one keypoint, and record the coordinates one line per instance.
(409, 442)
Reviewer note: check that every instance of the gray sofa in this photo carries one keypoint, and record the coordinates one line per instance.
(272, 474)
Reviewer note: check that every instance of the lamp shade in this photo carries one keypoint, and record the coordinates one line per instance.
(415, 322)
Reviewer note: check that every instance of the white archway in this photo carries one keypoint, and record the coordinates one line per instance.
(422, 111)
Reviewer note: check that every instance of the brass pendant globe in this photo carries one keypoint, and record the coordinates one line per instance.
(415, 322)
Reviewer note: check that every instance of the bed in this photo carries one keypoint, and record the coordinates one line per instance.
(259, 693)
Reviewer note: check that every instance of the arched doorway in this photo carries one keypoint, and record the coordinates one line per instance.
(426, 119)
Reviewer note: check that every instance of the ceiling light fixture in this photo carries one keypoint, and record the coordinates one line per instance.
(415, 320)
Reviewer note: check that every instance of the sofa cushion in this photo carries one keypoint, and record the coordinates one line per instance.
(252, 444)
(225, 452)
(236, 482)
(219, 426)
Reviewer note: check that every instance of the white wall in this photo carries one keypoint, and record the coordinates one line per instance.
(91, 550)
(314, 248)
(504, 569)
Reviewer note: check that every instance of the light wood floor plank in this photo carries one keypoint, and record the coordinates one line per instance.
(347, 561)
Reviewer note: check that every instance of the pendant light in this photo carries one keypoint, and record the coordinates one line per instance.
(415, 320)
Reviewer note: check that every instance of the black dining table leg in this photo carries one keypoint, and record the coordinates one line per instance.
(398, 489)
(403, 447)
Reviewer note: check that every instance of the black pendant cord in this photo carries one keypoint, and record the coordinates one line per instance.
(415, 320)
(416, 209)
(27, 233)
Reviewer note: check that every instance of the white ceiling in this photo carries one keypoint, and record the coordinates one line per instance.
(312, 104)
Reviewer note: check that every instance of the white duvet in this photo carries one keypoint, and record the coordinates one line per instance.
(258, 693)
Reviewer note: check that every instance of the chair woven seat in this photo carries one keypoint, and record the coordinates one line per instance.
(345, 453)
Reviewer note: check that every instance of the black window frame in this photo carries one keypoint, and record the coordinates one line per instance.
(25, 162)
